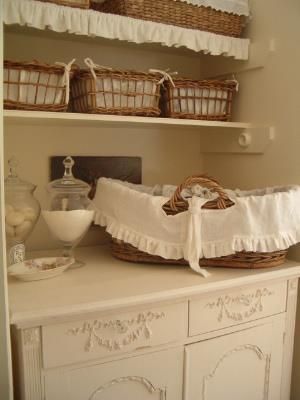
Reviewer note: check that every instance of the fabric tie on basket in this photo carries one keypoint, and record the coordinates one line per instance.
(166, 75)
(66, 77)
(92, 66)
(193, 245)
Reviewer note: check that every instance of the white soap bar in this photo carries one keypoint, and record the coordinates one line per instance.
(15, 218)
(23, 229)
(29, 213)
(10, 230)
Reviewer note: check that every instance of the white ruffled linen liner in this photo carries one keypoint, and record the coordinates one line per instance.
(239, 7)
(93, 23)
(261, 220)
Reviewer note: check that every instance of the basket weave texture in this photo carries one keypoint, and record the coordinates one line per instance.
(176, 13)
(203, 100)
(177, 204)
(116, 92)
(34, 86)
(70, 3)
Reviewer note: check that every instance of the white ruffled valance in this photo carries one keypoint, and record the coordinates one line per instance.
(260, 221)
(93, 23)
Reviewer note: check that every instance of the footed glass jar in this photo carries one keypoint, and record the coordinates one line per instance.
(22, 211)
(70, 213)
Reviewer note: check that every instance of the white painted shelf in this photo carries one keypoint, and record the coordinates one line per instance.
(43, 16)
(68, 119)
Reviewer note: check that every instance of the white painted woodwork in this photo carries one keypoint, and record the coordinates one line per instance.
(106, 284)
(113, 329)
(69, 119)
(113, 334)
(289, 335)
(155, 376)
(244, 365)
(6, 385)
(236, 307)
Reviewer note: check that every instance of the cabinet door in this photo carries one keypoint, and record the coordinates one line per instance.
(154, 376)
(243, 365)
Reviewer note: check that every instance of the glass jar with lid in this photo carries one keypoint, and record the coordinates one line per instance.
(22, 211)
(70, 213)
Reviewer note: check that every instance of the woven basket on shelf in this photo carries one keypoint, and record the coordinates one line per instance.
(70, 3)
(192, 99)
(176, 13)
(109, 91)
(177, 204)
(36, 86)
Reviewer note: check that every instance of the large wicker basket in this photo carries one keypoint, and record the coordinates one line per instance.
(177, 205)
(109, 91)
(36, 86)
(70, 3)
(203, 100)
(176, 13)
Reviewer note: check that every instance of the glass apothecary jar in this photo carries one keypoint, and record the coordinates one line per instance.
(22, 211)
(70, 212)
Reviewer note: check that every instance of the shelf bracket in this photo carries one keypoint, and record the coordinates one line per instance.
(254, 140)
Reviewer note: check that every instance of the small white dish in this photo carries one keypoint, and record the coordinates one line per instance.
(40, 268)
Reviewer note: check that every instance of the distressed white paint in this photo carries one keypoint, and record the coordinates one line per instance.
(131, 320)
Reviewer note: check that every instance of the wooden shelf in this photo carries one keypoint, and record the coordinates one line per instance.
(47, 16)
(69, 119)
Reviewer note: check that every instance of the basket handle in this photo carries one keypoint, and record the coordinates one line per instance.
(177, 203)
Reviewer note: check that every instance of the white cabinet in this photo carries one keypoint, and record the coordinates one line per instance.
(243, 365)
(155, 376)
(133, 341)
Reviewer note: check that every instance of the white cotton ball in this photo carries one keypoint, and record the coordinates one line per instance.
(29, 213)
(23, 229)
(15, 218)
(8, 209)
(10, 230)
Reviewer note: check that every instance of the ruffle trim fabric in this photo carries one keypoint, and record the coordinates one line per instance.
(280, 241)
(239, 7)
(92, 23)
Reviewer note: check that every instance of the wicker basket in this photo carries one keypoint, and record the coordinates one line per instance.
(70, 3)
(176, 13)
(205, 100)
(36, 86)
(177, 204)
(109, 91)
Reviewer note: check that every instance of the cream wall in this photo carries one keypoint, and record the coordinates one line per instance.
(168, 155)
(270, 95)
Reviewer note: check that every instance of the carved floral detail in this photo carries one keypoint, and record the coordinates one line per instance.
(252, 301)
(31, 336)
(129, 330)
(145, 382)
(246, 347)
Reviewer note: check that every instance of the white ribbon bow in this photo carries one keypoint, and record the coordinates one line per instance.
(92, 66)
(166, 76)
(193, 245)
(66, 77)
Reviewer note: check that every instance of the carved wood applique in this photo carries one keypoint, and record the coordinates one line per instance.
(128, 330)
(136, 379)
(252, 303)
(266, 358)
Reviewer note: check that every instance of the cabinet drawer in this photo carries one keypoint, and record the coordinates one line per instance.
(154, 376)
(112, 334)
(226, 309)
